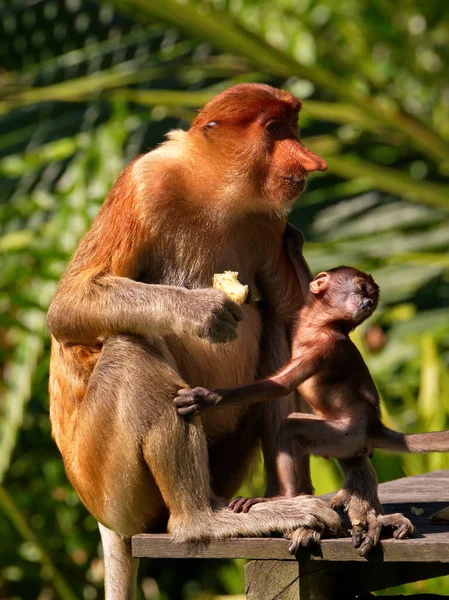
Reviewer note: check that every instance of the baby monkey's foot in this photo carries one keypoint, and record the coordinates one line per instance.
(363, 516)
(401, 526)
(367, 521)
(193, 402)
(241, 504)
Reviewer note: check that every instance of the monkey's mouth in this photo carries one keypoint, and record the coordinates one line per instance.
(297, 182)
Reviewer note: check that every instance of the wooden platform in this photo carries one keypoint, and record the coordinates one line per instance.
(335, 570)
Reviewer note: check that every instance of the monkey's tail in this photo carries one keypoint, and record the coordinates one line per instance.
(275, 516)
(435, 441)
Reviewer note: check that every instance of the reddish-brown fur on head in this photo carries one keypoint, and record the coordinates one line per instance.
(250, 134)
(243, 104)
(344, 294)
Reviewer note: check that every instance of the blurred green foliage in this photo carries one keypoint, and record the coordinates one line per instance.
(86, 85)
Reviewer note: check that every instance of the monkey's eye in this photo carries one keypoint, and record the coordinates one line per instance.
(274, 126)
(362, 287)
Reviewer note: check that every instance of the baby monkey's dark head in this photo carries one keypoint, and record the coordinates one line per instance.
(344, 294)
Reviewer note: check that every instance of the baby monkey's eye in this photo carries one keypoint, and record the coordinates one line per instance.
(362, 287)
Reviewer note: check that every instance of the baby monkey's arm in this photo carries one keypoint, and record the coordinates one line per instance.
(192, 402)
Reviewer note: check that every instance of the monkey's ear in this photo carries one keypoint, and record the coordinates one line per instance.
(320, 283)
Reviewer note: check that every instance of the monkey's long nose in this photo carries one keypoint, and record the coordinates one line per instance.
(311, 161)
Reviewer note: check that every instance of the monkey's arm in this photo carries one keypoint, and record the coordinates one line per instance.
(192, 402)
(294, 242)
(84, 310)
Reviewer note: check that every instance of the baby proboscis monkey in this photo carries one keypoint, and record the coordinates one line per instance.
(330, 374)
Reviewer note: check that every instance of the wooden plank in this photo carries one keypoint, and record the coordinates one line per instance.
(431, 544)
(430, 547)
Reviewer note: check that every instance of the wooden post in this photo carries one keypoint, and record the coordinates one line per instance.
(290, 580)
(286, 580)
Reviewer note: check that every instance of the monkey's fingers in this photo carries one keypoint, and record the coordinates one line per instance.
(220, 332)
(229, 315)
(185, 399)
(190, 411)
(194, 401)
(402, 527)
(234, 309)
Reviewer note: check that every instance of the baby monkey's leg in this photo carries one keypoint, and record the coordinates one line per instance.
(312, 435)
(305, 434)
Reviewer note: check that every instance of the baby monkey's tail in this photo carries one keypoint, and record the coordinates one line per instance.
(433, 441)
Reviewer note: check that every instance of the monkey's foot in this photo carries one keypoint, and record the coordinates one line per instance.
(401, 526)
(241, 504)
(306, 536)
(363, 515)
(303, 537)
(367, 521)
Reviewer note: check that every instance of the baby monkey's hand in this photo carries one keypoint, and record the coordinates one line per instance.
(193, 402)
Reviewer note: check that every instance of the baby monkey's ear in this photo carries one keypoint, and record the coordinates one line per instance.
(320, 283)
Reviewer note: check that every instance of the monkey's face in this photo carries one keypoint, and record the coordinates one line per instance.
(360, 296)
(345, 294)
(251, 132)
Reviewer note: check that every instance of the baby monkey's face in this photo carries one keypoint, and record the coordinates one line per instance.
(359, 296)
(346, 294)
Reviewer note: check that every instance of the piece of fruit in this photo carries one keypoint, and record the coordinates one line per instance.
(228, 283)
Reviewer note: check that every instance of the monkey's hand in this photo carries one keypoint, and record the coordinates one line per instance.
(193, 402)
(211, 315)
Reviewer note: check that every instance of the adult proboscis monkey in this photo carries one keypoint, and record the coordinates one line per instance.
(135, 319)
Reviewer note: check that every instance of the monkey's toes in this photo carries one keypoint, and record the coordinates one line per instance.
(327, 519)
(366, 533)
(402, 527)
(241, 504)
(340, 500)
(303, 537)
(367, 545)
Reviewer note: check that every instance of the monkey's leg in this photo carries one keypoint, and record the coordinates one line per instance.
(135, 457)
(299, 436)
(120, 567)
(124, 398)
(358, 498)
